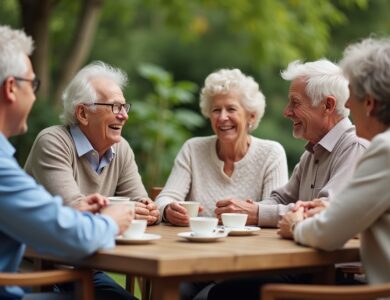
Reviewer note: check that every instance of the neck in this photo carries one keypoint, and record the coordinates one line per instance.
(233, 151)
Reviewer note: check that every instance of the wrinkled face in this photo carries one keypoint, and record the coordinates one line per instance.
(25, 96)
(358, 114)
(309, 122)
(229, 120)
(102, 127)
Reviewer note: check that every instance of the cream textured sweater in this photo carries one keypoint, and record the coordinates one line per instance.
(198, 175)
(53, 162)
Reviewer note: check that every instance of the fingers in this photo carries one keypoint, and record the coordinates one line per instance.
(176, 214)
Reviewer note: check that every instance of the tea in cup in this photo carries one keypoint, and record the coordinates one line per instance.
(234, 220)
(203, 226)
(192, 207)
(136, 229)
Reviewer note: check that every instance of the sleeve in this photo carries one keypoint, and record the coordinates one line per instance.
(355, 208)
(51, 157)
(280, 200)
(129, 181)
(179, 181)
(31, 215)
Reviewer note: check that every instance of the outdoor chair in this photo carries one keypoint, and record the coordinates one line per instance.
(324, 292)
(82, 278)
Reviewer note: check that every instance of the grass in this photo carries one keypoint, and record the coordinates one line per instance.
(121, 280)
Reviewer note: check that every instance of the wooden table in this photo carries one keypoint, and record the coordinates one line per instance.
(171, 260)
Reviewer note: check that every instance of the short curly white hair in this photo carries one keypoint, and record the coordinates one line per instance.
(323, 78)
(80, 89)
(225, 81)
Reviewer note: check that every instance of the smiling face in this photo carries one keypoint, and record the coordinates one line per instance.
(309, 123)
(100, 125)
(229, 120)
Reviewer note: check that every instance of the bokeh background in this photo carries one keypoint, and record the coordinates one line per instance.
(168, 47)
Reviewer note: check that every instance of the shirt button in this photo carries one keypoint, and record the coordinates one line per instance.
(312, 186)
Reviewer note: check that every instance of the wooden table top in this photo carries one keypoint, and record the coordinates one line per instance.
(172, 256)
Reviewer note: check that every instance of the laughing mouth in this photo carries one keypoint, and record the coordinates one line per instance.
(115, 127)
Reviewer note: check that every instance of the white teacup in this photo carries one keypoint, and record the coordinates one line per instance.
(136, 229)
(192, 207)
(203, 226)
(122, 201)
(234, 220)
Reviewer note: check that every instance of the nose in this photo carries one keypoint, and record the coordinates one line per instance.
(287, 112)
(347, 104)
(223, 115)
(122, 115)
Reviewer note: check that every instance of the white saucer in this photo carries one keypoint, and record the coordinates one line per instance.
(144, 239)
(203, 239)
(247, 230)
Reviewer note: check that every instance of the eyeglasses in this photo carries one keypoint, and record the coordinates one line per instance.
(35, 83)
(115, 107)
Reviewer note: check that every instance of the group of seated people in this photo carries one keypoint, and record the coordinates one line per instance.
(337, 190)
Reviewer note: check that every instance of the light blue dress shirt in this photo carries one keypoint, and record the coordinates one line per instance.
(30, 215)
(84, 147)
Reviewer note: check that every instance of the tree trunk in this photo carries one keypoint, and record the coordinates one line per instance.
(81, 44)
(35, 16)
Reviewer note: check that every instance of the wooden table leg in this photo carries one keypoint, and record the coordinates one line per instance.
(166, 289)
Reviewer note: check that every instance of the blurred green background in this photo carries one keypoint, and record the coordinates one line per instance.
(168, 47)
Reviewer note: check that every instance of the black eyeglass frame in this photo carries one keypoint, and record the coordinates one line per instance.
(116, 108)
(35, 83)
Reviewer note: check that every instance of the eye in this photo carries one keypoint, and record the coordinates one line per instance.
(215, 110)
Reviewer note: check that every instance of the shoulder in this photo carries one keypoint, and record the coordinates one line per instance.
(349, 138)
(123, 148)
(268, 146)
(199, 143)
(381, 143)
(58, 132)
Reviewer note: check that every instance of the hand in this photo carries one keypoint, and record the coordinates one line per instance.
(288, 221)
(121, 214)
(248, 207)
(311, 207)
(176, 214)
(92, 203)
(146, 209)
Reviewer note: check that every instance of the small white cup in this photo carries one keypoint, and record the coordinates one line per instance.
(234, 220)
(192, 208)
(122, 201)
(136, 229)
(203, 226)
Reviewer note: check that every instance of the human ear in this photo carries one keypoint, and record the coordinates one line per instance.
(8, 89)
(81, 115)
(329, 104)
(369, 104)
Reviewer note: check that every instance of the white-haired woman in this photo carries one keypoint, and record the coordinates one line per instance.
(230, 170)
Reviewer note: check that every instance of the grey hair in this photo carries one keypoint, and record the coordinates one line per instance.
(324, 79)
(80, 89)
(14, 45)
(225, 81)
(367, 66)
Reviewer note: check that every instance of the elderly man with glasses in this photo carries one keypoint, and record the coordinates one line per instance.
(88, 153)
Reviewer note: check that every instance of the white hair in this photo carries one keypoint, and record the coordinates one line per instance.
(80, 89)
(225, 81)
(367, 66)
(14, 45)
(323, 79)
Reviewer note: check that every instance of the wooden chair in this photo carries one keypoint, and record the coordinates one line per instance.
(144, 284)
(83, 279)
(324, 292)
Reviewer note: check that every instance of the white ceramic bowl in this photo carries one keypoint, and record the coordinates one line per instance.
(234, 220)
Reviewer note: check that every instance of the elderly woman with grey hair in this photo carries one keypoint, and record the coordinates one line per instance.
(228, 171)
(363, 206)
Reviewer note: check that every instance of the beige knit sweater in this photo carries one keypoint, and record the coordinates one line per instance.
(198, 175)
(54, 163)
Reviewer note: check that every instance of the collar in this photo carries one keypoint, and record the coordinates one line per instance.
(83, 146)
(330, 139)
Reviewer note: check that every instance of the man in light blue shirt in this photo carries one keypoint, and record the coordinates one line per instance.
(28, 214)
